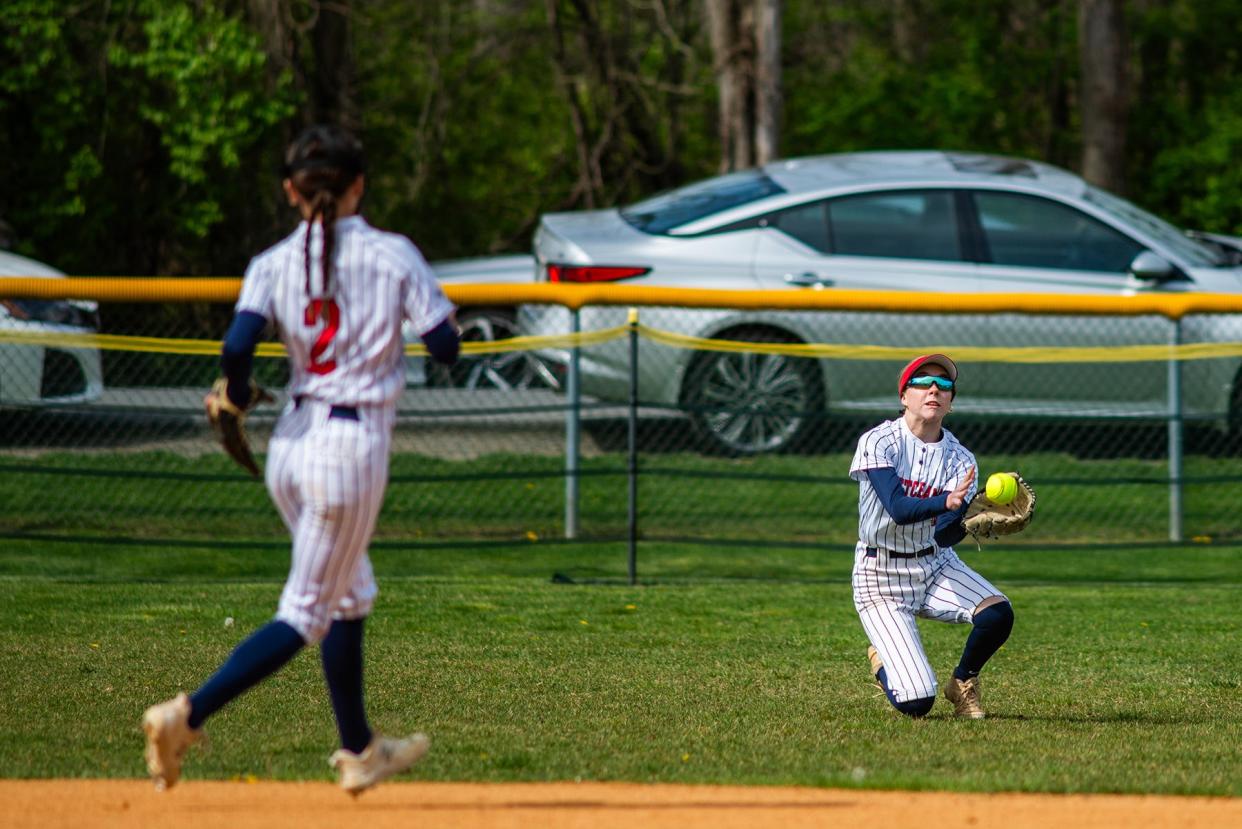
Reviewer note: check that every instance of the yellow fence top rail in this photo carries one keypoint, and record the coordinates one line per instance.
(225, 289)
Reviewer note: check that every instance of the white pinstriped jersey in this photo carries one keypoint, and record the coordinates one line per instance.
(925, 469)
(327, 460)
(345, 343)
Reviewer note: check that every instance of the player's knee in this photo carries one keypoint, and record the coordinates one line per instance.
(996, 619)
(311, 627)
(916, 707)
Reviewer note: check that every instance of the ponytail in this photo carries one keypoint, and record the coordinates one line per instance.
(323, 207)
(322, 163)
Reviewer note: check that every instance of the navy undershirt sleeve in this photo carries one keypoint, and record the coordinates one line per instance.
(237, 355)
(443, 342)
(949, 529)
(903, 508)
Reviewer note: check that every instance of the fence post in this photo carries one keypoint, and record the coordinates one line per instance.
(1175, 433)
(632, 447)
(573, 423)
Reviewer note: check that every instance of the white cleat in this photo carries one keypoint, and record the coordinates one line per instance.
(383, 758)
(168, 736)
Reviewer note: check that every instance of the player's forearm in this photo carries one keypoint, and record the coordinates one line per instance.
(949, 529)
(443, 342)
(237, 354)
(903, 508)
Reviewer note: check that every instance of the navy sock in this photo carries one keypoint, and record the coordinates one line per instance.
(262, 654)
(992, 627)
(341, 653)
(911, 707)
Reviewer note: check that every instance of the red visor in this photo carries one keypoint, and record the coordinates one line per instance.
(918, 362)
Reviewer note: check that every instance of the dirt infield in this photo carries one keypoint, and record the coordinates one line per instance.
(49, 804)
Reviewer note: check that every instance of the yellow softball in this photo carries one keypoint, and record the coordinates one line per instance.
(1002, 487)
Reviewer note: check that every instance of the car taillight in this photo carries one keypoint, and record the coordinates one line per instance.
(592, 273)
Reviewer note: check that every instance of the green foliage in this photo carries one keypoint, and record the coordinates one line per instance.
(462, 124)
(147, 132)
(203, 74)
(1201, 179)
(725, 667)
(471, 123)
(992, 78)
(131, 129)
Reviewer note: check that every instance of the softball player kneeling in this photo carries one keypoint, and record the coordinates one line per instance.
(914, 482)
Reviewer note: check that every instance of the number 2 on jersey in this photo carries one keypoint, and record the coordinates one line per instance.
(328, 311)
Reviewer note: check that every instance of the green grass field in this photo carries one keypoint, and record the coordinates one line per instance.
(726, 665)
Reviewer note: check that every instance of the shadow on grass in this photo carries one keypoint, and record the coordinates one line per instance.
(93, 429)
(1114, 718)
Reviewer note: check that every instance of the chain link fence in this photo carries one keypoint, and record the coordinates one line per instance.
(602, 427)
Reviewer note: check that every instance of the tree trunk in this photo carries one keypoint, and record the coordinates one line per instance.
(767, 80)
(746, 48)
(333, 82)
(732, 57)
(1103, 54)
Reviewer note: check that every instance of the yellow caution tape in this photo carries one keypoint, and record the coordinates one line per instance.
(1048, 354)
(162, 345)
(841, 351)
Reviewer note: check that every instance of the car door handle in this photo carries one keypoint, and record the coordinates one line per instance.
(807, 279)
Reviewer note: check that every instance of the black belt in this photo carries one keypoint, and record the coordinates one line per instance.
(872, 552)
(339, 412)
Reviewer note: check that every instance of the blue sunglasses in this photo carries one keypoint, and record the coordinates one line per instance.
(927, 381)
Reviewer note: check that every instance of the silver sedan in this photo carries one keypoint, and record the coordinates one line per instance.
(931, 222)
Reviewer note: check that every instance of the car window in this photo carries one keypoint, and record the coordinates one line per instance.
(908, 224)
(808, 223)
(1193, 251)
(667, 211)
(1033, 232)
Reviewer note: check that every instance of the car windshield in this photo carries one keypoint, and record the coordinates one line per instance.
(1193, 251)
(42, 310)
(663, 213)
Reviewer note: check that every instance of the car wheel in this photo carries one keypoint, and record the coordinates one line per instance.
(748, 403)
(508, 370)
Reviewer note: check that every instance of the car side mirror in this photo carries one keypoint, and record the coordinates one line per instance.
(1152, 267)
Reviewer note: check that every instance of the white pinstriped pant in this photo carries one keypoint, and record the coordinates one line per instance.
(327, 476)
(889, 593)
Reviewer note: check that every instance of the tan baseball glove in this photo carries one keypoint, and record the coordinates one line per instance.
(228, 420)
(985, 518)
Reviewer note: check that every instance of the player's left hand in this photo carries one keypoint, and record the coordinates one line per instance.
(227, 420)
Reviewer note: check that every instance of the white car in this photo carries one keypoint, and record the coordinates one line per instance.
(921, 221)
(39, 375)
(517, 370)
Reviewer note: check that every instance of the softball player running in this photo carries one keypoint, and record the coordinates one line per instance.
(914, 483)
(337, 291)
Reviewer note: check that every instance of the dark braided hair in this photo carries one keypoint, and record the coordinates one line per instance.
(322, 163)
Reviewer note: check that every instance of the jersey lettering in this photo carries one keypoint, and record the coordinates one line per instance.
(341, 348)
(330, 312)
(920, 489)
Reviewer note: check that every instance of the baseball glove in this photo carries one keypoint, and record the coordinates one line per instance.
(227, 420)
(985, 518)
